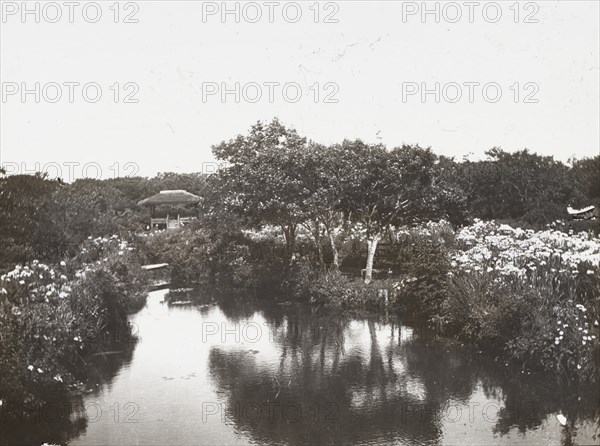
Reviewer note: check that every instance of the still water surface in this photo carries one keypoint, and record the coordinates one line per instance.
(290, 374)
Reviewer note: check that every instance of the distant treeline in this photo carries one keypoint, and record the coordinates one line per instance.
(276, 177)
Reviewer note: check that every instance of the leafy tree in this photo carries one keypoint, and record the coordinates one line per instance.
(451, 201)
(319, 173)
(92, 208)
(387, 188)
(26, 230)
(259, 184)
(520, 186)
(586, 177)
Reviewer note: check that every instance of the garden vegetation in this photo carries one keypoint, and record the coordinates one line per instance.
(483, 251)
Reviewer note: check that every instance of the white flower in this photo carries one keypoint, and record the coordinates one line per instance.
(578, 367)
(30, 368)
(62, 263)
(40, 370)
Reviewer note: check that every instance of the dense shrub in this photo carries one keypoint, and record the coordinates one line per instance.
(53, 315)
(228, 260)
(187, 251)
(332, 288)
(423, 256)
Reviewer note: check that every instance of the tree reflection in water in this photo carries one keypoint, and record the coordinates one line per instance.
(343, 380)
(320, 377)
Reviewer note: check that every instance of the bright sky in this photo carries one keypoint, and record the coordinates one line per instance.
(181, 50)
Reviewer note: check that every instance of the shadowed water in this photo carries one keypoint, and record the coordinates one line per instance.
(291, 374)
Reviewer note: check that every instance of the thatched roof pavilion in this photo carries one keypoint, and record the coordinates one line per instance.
(172, 198)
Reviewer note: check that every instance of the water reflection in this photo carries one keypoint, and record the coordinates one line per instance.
(341, 380)
(65, 417)
(240, 372)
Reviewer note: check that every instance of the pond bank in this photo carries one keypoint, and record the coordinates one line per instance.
(234, 373)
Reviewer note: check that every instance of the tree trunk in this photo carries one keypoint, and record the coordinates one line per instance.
(290, 239)
(371, 248)
(336, 262)
(318, 243)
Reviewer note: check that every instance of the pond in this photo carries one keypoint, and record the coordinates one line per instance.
(241, 373)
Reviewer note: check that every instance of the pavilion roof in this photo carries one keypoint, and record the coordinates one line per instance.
(171, 197)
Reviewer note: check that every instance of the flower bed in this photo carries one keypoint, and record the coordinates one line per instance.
(51, 316)
(534, 295)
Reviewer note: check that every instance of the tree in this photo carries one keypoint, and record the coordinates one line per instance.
(387, 188)
(520, 185)
(259, 183)
(92, 208)
(26, 230)
(319, 172)
(586, 177)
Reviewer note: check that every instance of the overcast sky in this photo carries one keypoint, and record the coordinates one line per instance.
(360, 76)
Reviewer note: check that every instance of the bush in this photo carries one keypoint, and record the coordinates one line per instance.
(186, 250)
(332, 288)
(53, 315)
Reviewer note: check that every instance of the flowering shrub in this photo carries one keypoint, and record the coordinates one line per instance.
(533, 294)
(53, 315)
